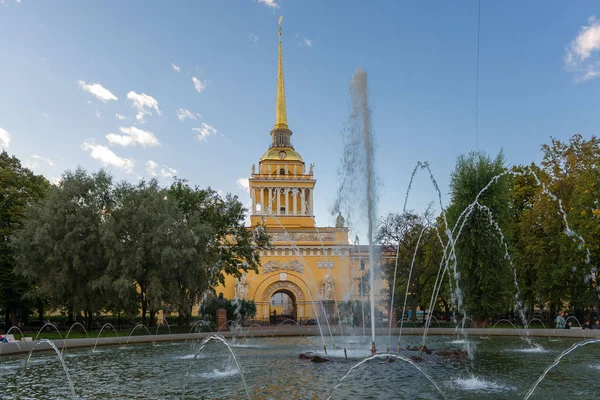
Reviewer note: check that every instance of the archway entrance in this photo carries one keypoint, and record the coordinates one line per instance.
(282, 306)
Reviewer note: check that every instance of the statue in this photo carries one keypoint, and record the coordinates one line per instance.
(310, 171)
(327, 287)
(269, 169)
(241, 287)
(340, 221)
(253, 167)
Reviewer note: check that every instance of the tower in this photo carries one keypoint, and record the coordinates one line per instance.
(281, 188)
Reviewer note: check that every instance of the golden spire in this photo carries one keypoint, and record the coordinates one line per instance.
(280, 116)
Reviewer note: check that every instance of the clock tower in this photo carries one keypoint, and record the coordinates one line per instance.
(281, 188)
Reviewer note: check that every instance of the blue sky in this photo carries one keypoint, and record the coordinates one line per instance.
(70, 69)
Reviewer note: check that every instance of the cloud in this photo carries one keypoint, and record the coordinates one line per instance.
(199, 85)
(582, 56)
(306, 42)
(121, 117)
(34, 162)
(97, 90)
(270, 3)
(107, 157)
(143, 103)
(44, 159)
(204, 132)
(4, 139)
(175, 67)
(97, 114)
(243, 184)
(45, 115)
(132, 136)
(167, 172)
(253, 38)
(184, 113)
(151, 167)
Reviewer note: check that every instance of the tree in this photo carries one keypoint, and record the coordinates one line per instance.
(59, 246)
(221, 242)
(485, 275)
(19, 188)
(550, 258)
(136, 232)
(402, 232)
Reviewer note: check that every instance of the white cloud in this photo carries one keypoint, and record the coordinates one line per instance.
(97, 114)
(184, 113)
(45, 115)
(175, 67)
(107, 157)
(143, 103)
(270, 3)
(306, 42)
(167, 172)
(151, 167)
(199, 85)
(204, 132)
(253, 38)
(4, 139)
(243, 184)
(583, 53)
(44, 159)
(132, 136)
(97, 90)
(121, 117)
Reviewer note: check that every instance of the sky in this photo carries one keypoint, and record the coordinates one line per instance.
(187, 89)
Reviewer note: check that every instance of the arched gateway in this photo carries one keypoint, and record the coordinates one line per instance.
(309, 263)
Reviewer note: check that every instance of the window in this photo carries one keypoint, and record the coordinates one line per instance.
(281, 171)
(362, 265)
(281, 210)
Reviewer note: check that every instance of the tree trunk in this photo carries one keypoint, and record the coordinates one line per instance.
(180, 316)
(88, 315)
(7, 319)
(40, 310)
(13, 317)
(144, 310)
(414, 303)
(70, 315)
(152, 315)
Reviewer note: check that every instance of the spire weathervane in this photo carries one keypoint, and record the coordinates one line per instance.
(280, 116)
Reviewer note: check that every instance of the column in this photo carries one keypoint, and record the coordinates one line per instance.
(295, 206)
(287, 194)
(262, 200)
(302, 201)
(278, 194)
(310, 202)
(253, 196)
(270, 198)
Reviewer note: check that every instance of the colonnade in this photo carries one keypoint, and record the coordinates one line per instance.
(278, 199)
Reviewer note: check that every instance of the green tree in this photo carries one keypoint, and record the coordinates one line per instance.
(485, 275)
(136, 232)
(19, 188)
(59, 246)
(222, 244)
(404, 231)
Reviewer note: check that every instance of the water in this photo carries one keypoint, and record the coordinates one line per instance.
(272, 370)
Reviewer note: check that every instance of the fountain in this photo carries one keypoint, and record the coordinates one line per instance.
(269, 365)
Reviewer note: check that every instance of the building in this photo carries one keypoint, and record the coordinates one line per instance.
(313, 267)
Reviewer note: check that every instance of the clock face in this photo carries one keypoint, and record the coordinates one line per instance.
(282, 155)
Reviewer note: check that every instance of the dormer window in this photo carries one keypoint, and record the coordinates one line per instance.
(281, 171)
(282, 210)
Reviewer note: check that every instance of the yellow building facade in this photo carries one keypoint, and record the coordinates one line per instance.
(314, 266)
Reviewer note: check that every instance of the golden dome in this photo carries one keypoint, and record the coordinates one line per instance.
(273, 154)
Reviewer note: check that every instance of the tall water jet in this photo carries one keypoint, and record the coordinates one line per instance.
(357, 175)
